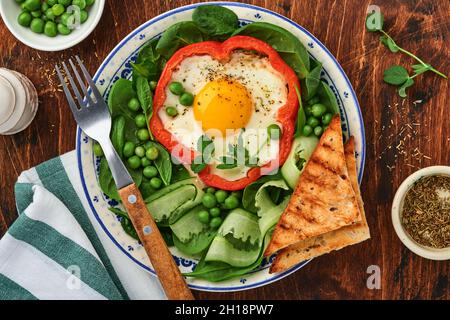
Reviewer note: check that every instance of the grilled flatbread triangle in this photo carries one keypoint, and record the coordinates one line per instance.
(334, 240)
(323, 200)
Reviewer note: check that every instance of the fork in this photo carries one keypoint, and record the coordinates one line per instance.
(93, 117)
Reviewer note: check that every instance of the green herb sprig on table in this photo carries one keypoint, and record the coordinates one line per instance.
(397, 75)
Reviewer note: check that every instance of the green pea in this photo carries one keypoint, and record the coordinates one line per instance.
(187, 99)
(176, 88)
(308, 111)
(313, 100)
(98, 151)
(211, 190)
(37, 25)
(139, 151)
(36, 14)
(307, 130)
(313, 122)
(142, 134)
(83, 16)
(58, 9)
(203, 216)
(150, 171)
(221, 195)
(152, 153)
(326, 118)
(24, 19)
(231, 202)
(153, 85)
(80, 3)
(171, 111)
(51, 3)
(134, 162)
(209, 200)
(65, 3)
(215, 222)
(49, 14)
(156, 182)
(32, 5)
(318, 110)
(128, 149)
(44, 6)
(140, 121)
(63, 29)
(318, 131)
(89, 2)
(274, 131)
(50, 29)
(134, 104)
(65, 18)
(214, 212)
(24, 7)
(145, 162)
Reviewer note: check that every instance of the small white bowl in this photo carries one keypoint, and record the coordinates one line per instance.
(397, 206)
(10, 10)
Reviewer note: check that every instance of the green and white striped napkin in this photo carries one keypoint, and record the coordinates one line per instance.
(57, 250)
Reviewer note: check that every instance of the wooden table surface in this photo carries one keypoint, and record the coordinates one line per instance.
(421, 122)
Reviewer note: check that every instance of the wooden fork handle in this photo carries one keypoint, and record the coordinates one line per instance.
(167, 271)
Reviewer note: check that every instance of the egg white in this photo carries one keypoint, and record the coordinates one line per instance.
(267, 89)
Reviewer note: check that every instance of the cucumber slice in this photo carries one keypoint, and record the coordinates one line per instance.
(197, 244)
(169, 204)
(241, 225)
(188, 225)
(222, 250)
(302, 148)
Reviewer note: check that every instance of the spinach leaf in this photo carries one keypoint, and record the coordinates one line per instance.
(126, 223)
(106, 181)
(148, 52)
(301, 117)
(166, 233)
(163, 163)
(145, 97)
(215, 20)
(328, 98)
(146, 189)
(118, 134)
(197, 244)
(146, 69)
(178, 35)
(288, 46)
(311, 83)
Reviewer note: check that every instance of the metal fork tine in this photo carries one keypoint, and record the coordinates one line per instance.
(92, 85)
(81, 82)
(74, 86)
(72, 104)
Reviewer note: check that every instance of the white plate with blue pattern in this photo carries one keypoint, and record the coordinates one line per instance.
(117, 65)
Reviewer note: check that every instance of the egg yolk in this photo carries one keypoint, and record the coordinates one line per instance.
(223, 104)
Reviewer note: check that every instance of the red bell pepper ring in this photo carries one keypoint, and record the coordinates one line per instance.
(287, 114)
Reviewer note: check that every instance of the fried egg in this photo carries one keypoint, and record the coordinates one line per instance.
(234, 99)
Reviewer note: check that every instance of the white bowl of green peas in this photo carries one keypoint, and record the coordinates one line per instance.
(51, 25)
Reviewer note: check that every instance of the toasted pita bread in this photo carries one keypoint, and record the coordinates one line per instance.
(334, 240)
(323, 200)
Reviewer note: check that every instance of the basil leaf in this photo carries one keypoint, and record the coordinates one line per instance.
(395, 75)
(215, 20)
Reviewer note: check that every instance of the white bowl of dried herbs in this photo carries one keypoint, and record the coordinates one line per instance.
(421, 212)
